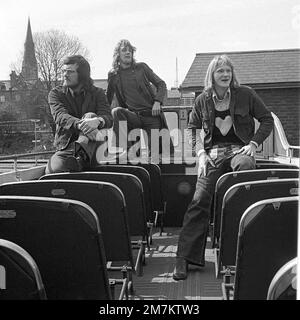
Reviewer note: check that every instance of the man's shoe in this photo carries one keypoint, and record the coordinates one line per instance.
(82, 159)
(180, 271)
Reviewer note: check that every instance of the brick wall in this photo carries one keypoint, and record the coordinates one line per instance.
(285, 103)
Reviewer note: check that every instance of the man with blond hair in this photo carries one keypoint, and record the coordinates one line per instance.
(225, 111)
(136, 94)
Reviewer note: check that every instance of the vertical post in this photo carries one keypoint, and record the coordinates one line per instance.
(16, 164)
(2, 278)
(176, 81)
(35, 141)
(17, 173)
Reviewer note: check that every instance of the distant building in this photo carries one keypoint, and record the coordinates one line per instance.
(177, 98)
(23, 95)
(29, 65)
(274, 74)
(101, 83)
(174, 96)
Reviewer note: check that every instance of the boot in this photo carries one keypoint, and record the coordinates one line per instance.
(181, 269)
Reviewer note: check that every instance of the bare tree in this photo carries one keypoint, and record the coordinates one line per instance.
(51, 47)
(17, 65)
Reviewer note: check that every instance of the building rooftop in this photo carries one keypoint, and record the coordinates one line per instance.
(100, 83)
(256, 68)
(6, 83)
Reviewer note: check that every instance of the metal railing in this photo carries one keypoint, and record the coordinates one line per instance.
(281, 145)
(16, 157)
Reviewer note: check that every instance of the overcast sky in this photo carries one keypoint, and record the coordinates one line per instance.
(160, 29)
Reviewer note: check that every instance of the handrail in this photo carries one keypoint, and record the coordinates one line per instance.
(278, 131)
(282, 137)
(15, 157)
(25, 155)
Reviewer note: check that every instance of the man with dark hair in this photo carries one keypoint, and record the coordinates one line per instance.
(80, 110)
(136, 94)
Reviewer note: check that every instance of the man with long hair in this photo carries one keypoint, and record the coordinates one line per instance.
(79, 110)
(136, 94)
(225, 111)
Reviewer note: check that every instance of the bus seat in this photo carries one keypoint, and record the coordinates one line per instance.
(158, 197)
(284, 284)
(144, 177)
(235, 202)
(20, 277)
(267, 240)
(276, 166)
(229, 179)
(105, 199)
(132, 190)
(65, 240)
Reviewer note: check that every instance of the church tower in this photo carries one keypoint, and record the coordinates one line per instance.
(29, 66)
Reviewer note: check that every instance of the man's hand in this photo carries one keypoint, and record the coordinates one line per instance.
(87, 125)
(204, 159)
(92, 135)
(156, 109)
(248, 150)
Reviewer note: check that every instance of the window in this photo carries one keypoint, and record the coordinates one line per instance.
(2, 98)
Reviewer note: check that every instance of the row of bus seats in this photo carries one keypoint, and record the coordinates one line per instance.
(81, 228)
(254, 219)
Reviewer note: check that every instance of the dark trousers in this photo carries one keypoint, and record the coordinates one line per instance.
(134, 120)
(63, 161)
(192, 238)
(79, 155)
(74, 158)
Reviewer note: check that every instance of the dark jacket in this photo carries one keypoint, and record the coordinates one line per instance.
(66, 115)
(144, 78)
(245, 105)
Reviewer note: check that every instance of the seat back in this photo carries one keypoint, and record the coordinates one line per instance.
(157, 193)
(229, 179)
(131, 188)
(235, 202)
(283, 285)
(267, 240)
(276, 166)
(105, 199)
(20, 278)
(261, 160)
(140, 173)
(65, 240)
(156, 184)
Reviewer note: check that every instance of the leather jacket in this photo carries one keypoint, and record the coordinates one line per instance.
(66, 115)
(149, 84)
(245, 105)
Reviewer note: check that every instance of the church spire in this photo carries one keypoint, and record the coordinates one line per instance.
(29, 65)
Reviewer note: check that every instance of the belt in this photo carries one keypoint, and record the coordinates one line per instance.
(225, 145)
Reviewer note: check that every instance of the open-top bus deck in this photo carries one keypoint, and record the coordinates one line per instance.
(155, 282)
